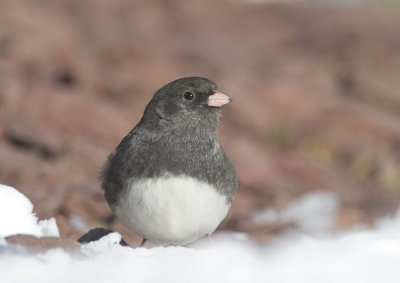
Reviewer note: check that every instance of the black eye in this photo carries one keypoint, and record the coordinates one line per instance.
(188, 95)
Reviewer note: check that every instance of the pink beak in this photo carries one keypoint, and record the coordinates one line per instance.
(218, 99)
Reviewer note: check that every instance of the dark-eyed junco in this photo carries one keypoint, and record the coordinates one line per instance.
(169, 179)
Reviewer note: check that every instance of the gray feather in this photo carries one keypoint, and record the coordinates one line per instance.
(173, 137)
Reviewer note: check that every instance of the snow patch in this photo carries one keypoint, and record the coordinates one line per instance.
(102, 245)
(49, 227)
(357, 256)
(314, 213)
(17, 217)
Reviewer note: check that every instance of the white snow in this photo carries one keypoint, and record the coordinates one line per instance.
(359, 256)
(104, 244)
(313, 213)
(17, 217)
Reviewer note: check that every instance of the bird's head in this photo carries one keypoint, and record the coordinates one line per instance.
(187, 99)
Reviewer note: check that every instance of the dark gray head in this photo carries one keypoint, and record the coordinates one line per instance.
(186, 99)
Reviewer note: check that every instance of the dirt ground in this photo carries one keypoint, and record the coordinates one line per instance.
(315, 88)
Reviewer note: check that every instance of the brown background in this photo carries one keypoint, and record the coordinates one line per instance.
(315, 87)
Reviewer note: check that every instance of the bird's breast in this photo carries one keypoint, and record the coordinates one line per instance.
(171, 209)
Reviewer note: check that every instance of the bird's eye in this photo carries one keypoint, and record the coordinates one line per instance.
(188, 95)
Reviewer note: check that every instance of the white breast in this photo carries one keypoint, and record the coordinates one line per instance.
(172, 209)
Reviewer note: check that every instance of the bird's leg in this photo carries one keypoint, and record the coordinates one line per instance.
(143, 242)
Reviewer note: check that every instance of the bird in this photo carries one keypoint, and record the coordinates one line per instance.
(169, 180)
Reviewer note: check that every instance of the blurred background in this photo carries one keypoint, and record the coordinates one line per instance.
(313, 131)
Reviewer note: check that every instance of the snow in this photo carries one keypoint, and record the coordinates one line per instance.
(17, 217)
(313, 213)
(369, 255)
(107, 242)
